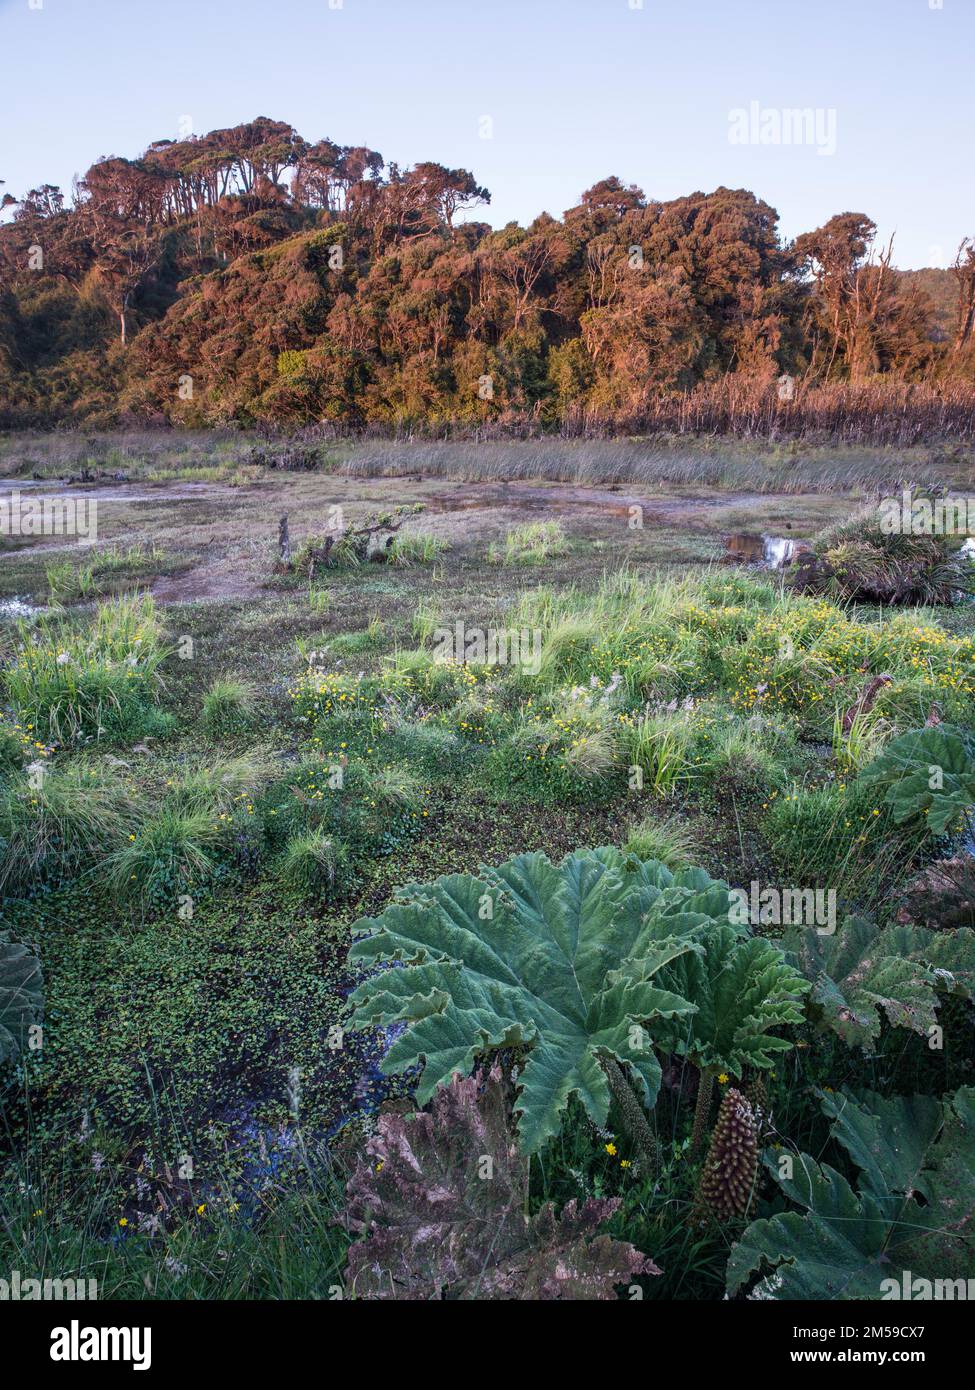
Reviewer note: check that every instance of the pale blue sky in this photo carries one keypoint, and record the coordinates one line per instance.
(575, 89)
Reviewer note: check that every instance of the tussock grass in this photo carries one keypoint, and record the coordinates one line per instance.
(217, 786)
(426, 619)
(316, 865)
(665, 838)
(228, 707)
(862, 559)
(171, 852)
(69, 684)
(367, 639)
(662, 746)
(69, 583)
(61, 822)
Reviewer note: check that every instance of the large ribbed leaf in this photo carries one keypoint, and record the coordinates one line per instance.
(21, 997)
(847, 1242)
(861, 974)
(438, 1204)
(560, 959)
(928, 774)
(743, 989)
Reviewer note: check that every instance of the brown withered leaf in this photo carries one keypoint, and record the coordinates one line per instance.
(438, 1203)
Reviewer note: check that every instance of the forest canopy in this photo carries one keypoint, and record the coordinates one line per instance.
(248, 275)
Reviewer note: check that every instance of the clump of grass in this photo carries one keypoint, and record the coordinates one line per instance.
(416, 548)
(591, 755)
(735, 760)
(861, 558)
(394, 787)
(217, 787)
(56, 823)
(318, 599)
(661, 745)
(170, 853)
(70, 685)
(317, 865)
(365, 640)
(862, 741)
(228, 707)
(665, 838)
(552, 759)
(69, 583)
(421, 676)
(839, 836)
(426, 619)
(531, 544)
(567, 647)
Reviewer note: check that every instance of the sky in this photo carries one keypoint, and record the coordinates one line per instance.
(538, 98)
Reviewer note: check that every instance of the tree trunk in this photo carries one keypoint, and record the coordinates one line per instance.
(702, 1111)
(632, 1112)
(965, 327)
(284, 543)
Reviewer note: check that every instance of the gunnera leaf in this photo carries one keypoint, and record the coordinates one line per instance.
(743, 988)
(913, 1208)
(927, 774)
(21, 996)
(438, 1206)
(559, 959)
(859, 975)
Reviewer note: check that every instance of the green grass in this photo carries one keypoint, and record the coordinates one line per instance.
(59, 822)
(535, 543)
(317, 865)
(368, 639)
(416, 548)
(228, 708)
(169, 855)
(71, 583)
(661, 747)
(69, 684)
(208, 1249)
(666, 838)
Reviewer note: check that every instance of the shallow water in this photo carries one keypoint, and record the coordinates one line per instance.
(13, 608)
(766, 552)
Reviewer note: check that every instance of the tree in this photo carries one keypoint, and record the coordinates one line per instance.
(963, 271)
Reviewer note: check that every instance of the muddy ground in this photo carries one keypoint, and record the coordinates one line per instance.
(226, 536)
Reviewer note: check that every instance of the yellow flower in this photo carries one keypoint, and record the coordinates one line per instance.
(723, 1079)
(201, 1209)
(611, 1149)
(624, 1163)
(123, 1221)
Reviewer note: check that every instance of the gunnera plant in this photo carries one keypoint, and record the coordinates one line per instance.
(21, 995)
(562, 960)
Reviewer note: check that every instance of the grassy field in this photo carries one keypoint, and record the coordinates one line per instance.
(213, 766)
